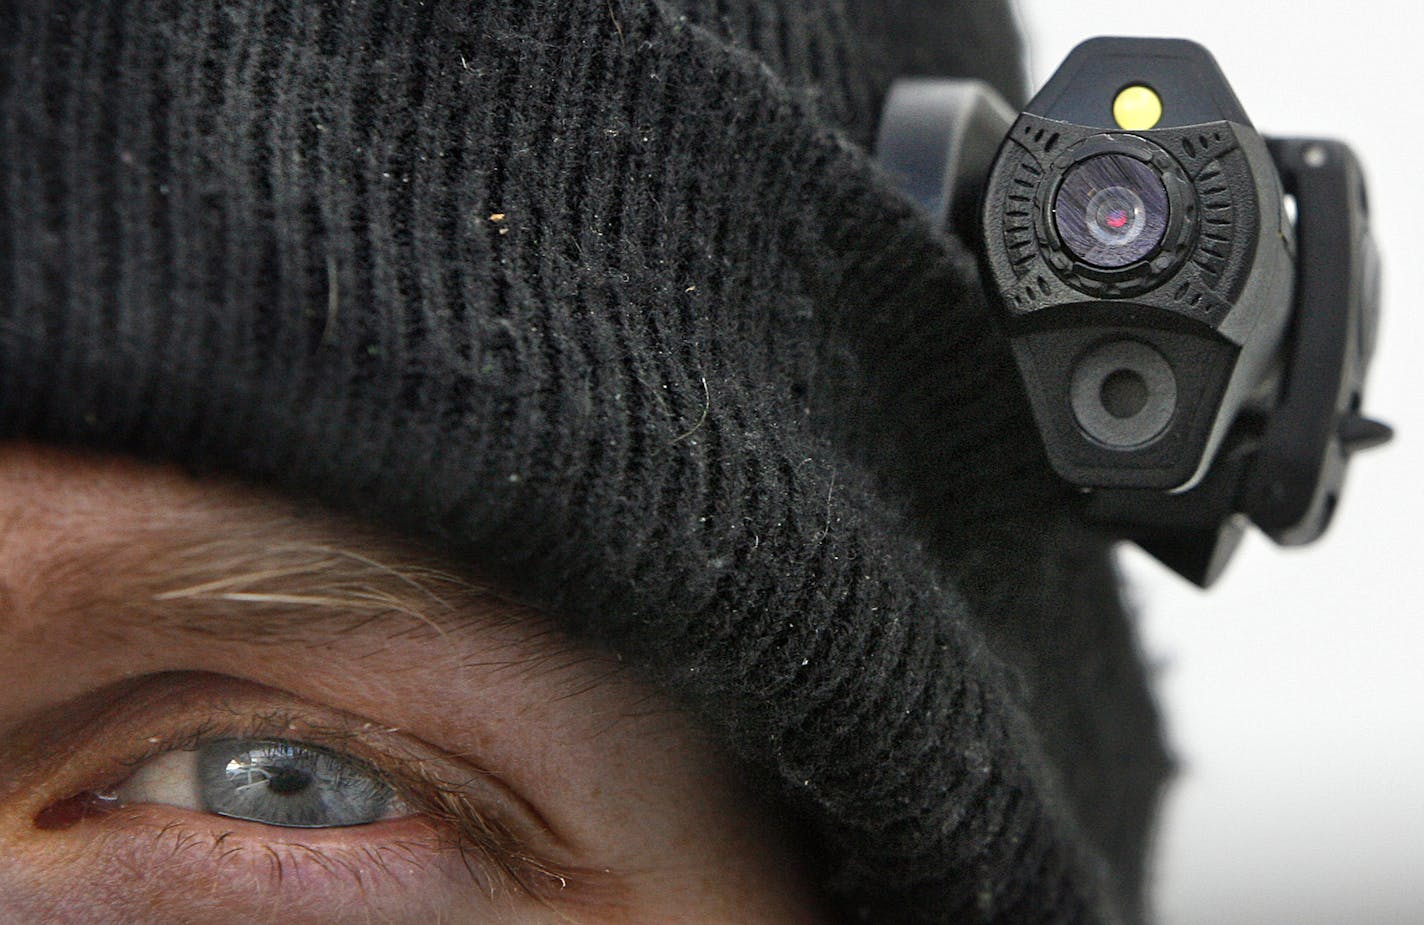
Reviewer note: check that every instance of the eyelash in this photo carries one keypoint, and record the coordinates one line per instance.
(490, 853)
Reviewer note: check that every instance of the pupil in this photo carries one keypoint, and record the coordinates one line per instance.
(287, 780)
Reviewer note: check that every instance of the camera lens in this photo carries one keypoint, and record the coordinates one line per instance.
(1111, 210)
(1116, 216)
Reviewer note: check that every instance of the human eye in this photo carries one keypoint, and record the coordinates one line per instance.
(221, 789)
(274, 782)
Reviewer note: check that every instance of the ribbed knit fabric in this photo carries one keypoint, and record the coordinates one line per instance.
(607, 297)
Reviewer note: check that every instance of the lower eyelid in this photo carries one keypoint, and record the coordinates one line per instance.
(160, 857)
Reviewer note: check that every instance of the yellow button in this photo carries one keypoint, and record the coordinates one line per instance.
(1137, 109)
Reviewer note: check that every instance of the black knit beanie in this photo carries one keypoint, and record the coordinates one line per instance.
(608, 298)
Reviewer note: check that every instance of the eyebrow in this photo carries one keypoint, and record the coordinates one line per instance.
(304, 578)
(290, 573)
(294, 574)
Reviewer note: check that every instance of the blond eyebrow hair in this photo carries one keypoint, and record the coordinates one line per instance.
(263, 570)
(264, 573)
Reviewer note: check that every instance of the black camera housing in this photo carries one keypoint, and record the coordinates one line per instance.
(1209, 305)
(1192, 347)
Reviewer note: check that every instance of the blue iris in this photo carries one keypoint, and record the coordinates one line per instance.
(282, 783)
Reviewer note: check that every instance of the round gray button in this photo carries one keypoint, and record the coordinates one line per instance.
(1124, 394)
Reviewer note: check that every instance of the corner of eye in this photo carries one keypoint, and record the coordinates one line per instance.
(67, 812)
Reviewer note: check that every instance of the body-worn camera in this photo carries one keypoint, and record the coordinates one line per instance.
(1192, 306)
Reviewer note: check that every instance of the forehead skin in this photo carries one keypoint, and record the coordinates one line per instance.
(89, 542)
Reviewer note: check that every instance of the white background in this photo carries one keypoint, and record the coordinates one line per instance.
(1294, 690)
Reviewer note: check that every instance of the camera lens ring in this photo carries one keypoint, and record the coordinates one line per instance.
(1156, 257)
